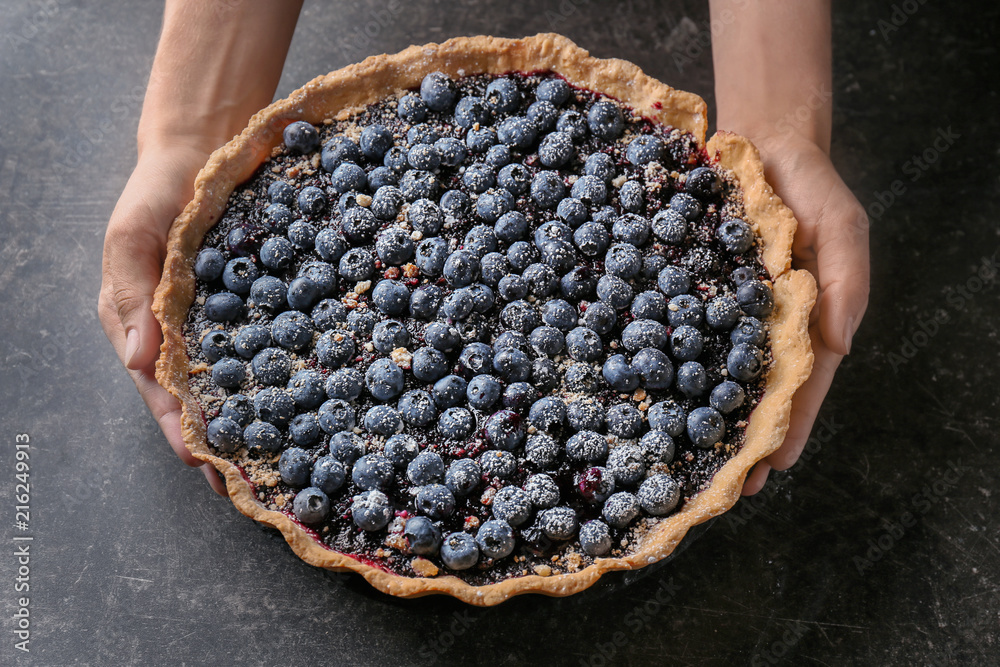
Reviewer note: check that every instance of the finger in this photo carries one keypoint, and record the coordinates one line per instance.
(805, 406)
(842, 268)
(214, 480)
(755, 480)
(166, 410)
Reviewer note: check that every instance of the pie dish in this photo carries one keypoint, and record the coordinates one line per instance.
(484, 318)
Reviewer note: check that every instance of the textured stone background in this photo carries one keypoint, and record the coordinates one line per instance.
(135, 560)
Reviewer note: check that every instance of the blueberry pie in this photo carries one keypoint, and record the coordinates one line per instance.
(484, 318)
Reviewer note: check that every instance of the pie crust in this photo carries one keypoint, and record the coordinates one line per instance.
(350, 89)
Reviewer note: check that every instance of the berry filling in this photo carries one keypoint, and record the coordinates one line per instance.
(492, 327)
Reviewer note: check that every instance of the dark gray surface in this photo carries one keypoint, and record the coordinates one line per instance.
(136, 561)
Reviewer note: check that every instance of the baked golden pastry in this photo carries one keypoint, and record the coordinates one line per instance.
(484, 318)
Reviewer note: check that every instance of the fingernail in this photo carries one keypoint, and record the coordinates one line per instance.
(849, 334)
(131, 345)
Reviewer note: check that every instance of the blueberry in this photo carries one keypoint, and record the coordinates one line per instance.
(658, 447)
(435, 501)
(245, 239)
(755, 298)
(459, 551)
(347, 201)
(400, 449)
(625, 421)
(600, 317)
(745, 362)
(421, 133)
(692, 380)
(653, 367)
(384, 379)
(312, 200)
(542, 450)
(456, 423)
(376, 140)
(620, 509)
(595, 538)
(361, 321)
(558, 523)
(541, 279)
(619, 374)
(632, 196)
(703, 182)
(431, 255)
(359, 225)
(311, 505)
(480, 240)
(336, 415)
(623, 260)
(547, 414)
(544, 375)
(673, 281)
(652, 264)
(306, 389)
(239, 275)
(520, 316)
(426, 468)
(505, 430)
(383, 420)
(735, 236)
(605, 120)
(493, 267)
(346, 448)
(274, 405)
(495, 539)
(749, 330)
(330, 245)
(560, 314)
(644, 333)
(389, 335)
(372, 471)
(521, 254)
(590, 190)
(645, 149)
(438, 91)
(615, 292)
(559, 255)
(429, 365)
(480, 140)
(670, 226)
(543, 114)
(395, 161)
(631, 228)
(456, 307)
(666, 416)
(228, 372)
(262, 436)
(483, 391)
(328, 475)
(705, 427)
(463, 477)
(417, 408)
(423, 538)
(512, 505)
(216, 344)
(209, 265)
(280, 192)
(659, 494)
(649, 306)
(727, 396)
(225, 435)
(238, 408)
(520, 396)
(686, 205)
(338, 150)
(300, 137)
(573, 123)
(304, 429)
(476, 358)
(322, 274)
(482, 297)
(391, 297)
(514, 178)
(741, 274)
(449, 391)
(471, 110)
(722, 312)
(573, 211)
(547, 340)
(585, 415)
(303, 293)
(518, 132)
(292, 329)
(461, 269)
(600, 165)
(556, 149)
(268, 293)
(512, 365)
(411, 108)
(685, 309)
(497, 463)
(586, 446)
(295, 467)
(452, 152)
(550, 230)
(394, 246)
(371, 510)
(686, 343)
(547, 189)
(502, 96)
